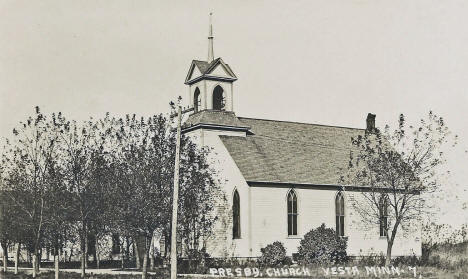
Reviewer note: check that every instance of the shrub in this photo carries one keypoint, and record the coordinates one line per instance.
(406, 260)
(321, 246)
(273, 254)
(195, 261)
(372, 259)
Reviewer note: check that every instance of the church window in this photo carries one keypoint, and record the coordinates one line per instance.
(383, 215)
(292, 213)
(339, 210)
(219, 100)
(196, 100)
(236, 228)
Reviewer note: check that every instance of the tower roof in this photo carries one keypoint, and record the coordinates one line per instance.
(209, 70)
(213, 69)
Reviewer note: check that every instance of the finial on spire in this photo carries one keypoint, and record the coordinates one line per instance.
(210, 42)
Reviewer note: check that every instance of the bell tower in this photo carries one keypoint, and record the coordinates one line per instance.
(210, 85)
(210, 82)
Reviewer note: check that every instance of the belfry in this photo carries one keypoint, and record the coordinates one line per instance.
(211, 93)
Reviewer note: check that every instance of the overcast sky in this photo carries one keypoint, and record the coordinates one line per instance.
(326, 62)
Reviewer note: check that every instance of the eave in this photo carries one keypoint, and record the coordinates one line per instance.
(322, 186)
(215, 127)
(208, 77)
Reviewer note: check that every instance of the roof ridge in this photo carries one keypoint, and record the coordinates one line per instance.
(304, 123)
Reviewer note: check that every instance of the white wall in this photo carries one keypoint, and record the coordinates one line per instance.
(264, 213)
(269, 222)
(230, 178)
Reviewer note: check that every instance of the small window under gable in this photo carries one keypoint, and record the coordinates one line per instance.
(219, 100)
(196, 100)
(339, 212)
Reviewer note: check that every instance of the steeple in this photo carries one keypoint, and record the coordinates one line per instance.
(210, 42)
(211, 94)
(210, 82)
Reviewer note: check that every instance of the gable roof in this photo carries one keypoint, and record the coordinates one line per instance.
(206, 68)
(290, 152)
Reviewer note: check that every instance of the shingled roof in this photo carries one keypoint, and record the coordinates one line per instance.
(206, 67)
(227, 119)
(289, 152)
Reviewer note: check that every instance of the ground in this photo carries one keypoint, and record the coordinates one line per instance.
(315, 272)
(445, 261)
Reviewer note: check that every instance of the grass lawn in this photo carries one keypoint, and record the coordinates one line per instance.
(315, 272)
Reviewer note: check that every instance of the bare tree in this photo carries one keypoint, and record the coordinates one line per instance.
(27, 163)
(8, 233)
(144, 165)
(81, 148)
(142, 180)
(59, 215)
(400, 168)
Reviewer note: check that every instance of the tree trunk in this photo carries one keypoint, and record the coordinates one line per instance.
(151, 262)
(151, 252)
(127, 251)
(145, 263)
(83, 257)
(86, 250)
(38, 261)
(83, 264)
(5, 257)
(388, 259)
(56, 261)
(122, 255)
(35, 269)
(390, 241)
(137, 255)
(96, 252)
(17, 252)
(5, 262)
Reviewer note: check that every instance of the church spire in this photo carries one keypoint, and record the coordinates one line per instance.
(210, 43)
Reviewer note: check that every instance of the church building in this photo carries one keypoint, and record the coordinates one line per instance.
(280, 178)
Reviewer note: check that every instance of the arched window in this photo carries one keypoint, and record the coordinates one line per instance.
(219, 101)
(383, 215)
(236, 228)
(196, 100)
(339, 210)
(292, 213)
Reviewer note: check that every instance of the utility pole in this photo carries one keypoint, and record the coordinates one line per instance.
(175, 198)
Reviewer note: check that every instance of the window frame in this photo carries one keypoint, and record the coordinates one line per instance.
(340, 214)
(292, 213)
(383, 216)
(236, 217)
